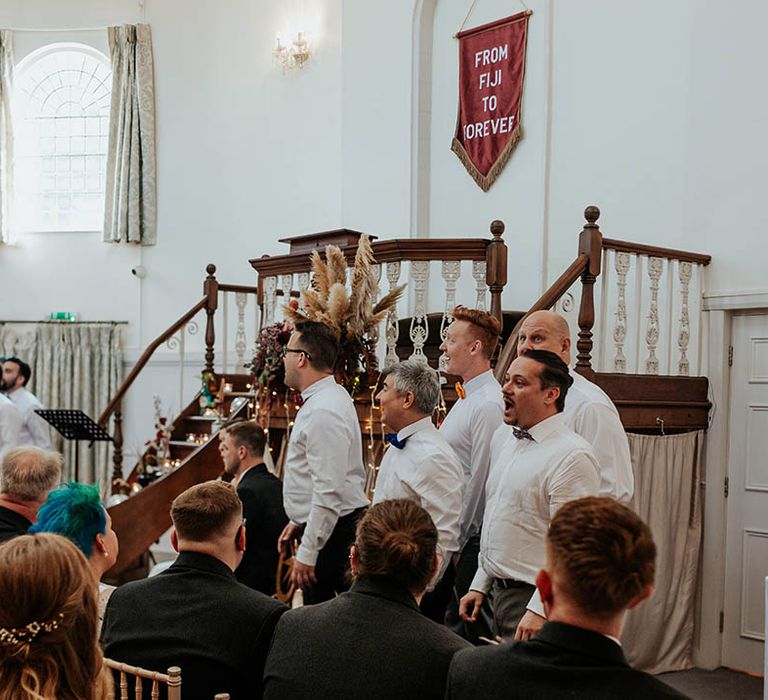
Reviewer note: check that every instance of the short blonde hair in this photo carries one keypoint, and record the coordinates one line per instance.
(29, 473)
(205, 511)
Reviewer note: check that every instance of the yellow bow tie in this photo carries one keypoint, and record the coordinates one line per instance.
(460, 390)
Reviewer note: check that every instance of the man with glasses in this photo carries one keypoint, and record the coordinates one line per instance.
(324, 476)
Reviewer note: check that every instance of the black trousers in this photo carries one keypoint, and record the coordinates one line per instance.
(465, 572)
(333, 561)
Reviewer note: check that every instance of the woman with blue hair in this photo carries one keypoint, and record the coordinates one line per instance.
(76, 512)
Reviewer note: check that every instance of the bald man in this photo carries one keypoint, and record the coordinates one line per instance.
(589, 411)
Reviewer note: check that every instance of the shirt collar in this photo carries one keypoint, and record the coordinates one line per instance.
(478, 382)
(253, 466)
(408, 430)
(544, 428)
(319, 385)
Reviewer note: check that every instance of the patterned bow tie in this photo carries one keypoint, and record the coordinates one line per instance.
(460, 392)
(392, 440)
(521, 434)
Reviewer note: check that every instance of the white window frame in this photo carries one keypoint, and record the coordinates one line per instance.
(22, 65)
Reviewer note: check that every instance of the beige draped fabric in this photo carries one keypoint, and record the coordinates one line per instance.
(6, 137)
(658, 634)
(73, 366)
(130, 209)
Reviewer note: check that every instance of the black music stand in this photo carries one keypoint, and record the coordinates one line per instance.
(75, 425)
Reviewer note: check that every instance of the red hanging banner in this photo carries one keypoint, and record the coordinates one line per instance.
(491, 73)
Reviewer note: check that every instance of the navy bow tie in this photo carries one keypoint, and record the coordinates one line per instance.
(521, 434)
(392, 440)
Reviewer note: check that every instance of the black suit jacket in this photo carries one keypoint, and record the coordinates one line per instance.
(12, 524)
(561, 662)
(197, 616)
(262, 497)
(370, 642)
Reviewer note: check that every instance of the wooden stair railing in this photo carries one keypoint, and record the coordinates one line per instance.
(211, 290)
(645, 402)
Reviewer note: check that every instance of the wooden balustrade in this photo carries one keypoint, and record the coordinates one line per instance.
(588, 266)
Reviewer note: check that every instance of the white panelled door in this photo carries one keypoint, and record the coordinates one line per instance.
(746, 563)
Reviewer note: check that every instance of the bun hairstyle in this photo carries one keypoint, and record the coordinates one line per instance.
(397, 539)
(48, 621)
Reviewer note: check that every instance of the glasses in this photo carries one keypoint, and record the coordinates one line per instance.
(297, 350)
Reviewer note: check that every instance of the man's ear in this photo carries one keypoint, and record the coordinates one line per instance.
(640, 597)
(566, 345)
(408, 399)
(174, 540)
(552, 395)
(240, 539)
(544, 586)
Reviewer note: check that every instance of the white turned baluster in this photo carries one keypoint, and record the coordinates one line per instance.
(393, 276)
(451, 271)
(620, 329)
(655, 267)
(478, 272)
(286, 285)
(419, 330)
(303, 280)
(241, 299)
(270, 299)
(684, 335)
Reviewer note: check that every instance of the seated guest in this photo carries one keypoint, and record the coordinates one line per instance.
(48, 646)
(419, 463)
(372, 641)
(196, 615)
(600, 563)
(76, 512)
(241, 446)
(26, 477)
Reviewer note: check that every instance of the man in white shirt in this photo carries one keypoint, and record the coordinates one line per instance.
(34, 429)
(419, 464)
(588, 409)
(537, 465)
(469, 344)
(324, 476)
(10, 425)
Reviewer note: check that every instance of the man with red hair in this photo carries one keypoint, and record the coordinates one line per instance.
(469, 344)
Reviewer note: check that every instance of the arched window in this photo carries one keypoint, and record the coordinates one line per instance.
(61, 126)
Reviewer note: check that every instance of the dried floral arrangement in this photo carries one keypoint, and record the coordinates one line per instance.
(353, 314)
(267, 367)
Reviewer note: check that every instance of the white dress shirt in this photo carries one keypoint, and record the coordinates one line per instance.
(35, 431)
(10, 424)
(324, 476)
(528, 481)
(425, 470)
(591, 413)
(468, 428)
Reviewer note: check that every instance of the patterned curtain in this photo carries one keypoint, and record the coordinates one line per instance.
(6, 136)
(658, 634)
(73, 366)
(130, 210)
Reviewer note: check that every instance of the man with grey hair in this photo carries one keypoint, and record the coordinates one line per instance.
(28, 474)
(420, 464)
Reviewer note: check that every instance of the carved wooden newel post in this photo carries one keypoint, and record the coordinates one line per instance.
(117, 448)
(591, 245)
(211, 291)
(496, 268)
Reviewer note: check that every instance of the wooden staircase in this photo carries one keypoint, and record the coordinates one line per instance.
(143, 518)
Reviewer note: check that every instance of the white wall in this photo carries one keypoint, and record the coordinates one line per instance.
(246, 155)
(649, 110)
